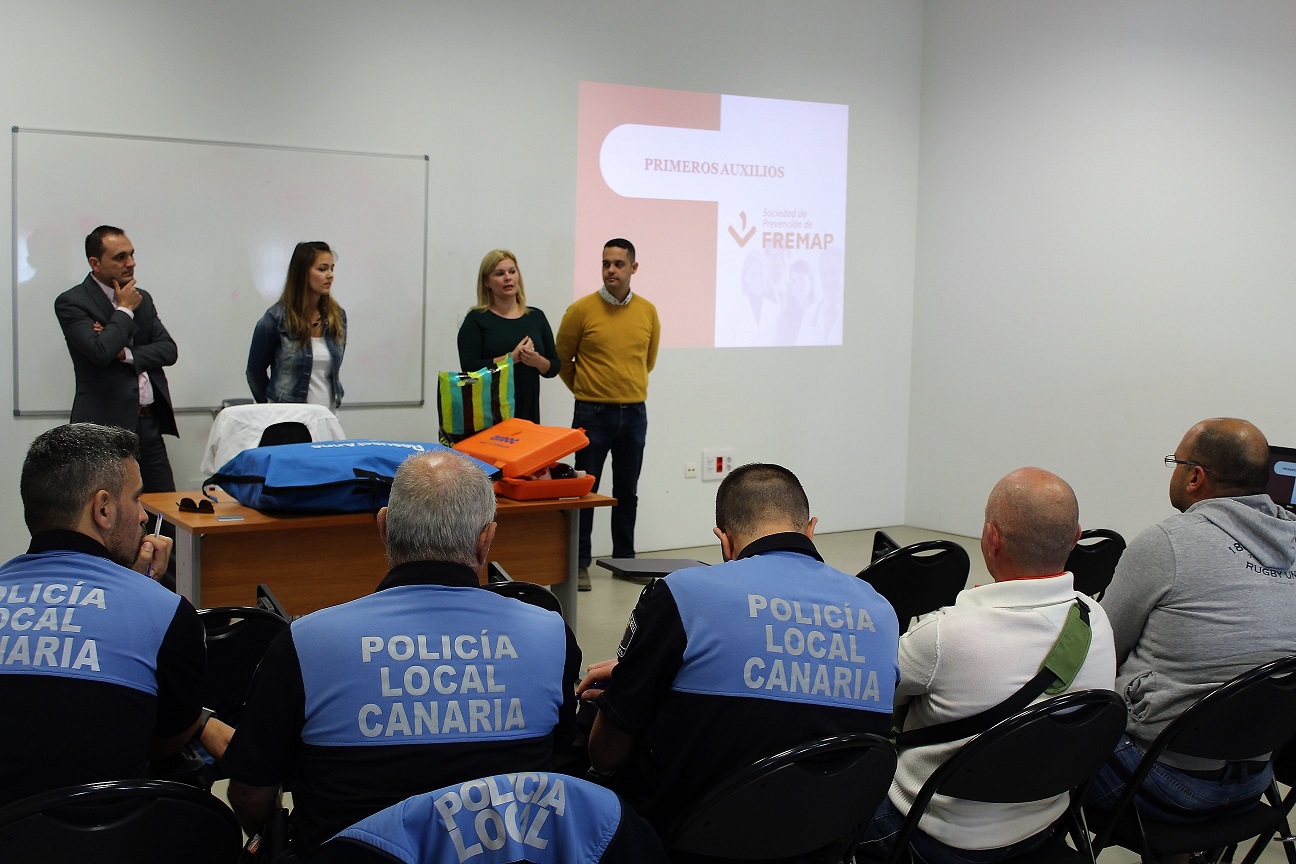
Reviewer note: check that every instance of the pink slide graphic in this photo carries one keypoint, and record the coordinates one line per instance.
(735, 204)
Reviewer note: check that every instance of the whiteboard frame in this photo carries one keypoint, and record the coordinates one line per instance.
(13, 208)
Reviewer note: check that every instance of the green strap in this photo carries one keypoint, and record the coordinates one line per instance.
(1068, 653)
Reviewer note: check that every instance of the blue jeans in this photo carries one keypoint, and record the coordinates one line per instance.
(620, 430)
(1170, 795)
(879, 840)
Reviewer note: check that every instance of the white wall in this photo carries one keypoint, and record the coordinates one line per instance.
(1107, 243)
(488, 90)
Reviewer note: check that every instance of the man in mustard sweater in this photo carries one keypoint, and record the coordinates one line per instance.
(607, 343)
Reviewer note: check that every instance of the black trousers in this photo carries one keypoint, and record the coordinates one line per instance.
(154, 465)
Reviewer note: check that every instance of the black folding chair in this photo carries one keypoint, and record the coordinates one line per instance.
(1284, 763)
(1052, 748)
(883, 545)
(816, 796)
(919, 578)
(1093, 560)
(140, 821)
(1243, 719)
(290, 432)
(237, 639)
(500, 582)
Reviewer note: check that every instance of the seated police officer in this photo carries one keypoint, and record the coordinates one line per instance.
(100, 666)
(721, 666)
(428, 681)
(542, 818)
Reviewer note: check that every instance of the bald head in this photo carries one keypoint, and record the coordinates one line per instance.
(440, 505)
(1234, 459)
(1032, 522)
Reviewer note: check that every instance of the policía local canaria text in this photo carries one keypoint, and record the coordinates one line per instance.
(822, 633)
(467, 669)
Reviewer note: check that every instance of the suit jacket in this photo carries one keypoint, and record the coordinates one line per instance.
(107, 390)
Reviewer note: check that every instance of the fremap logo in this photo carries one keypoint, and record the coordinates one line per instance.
(741, 239)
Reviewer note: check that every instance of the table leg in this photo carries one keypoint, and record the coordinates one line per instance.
(566, 590)
(188, 558)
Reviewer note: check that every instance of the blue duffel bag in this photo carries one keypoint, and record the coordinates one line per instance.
(349, 476)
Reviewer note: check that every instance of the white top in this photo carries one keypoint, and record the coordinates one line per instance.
(320, 391)
(971, 656)
(239, 427)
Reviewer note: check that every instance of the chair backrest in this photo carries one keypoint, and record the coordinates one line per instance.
(1093, 560)
(919, 578)
(140, 821)
(495, 572)
(1284, 763)
(1049, 749)
(790, 804)
(1249, 716)
(269, 601)
(237, 639)
(883, 545)
(1244, 718)
(284, 433)
(527, 592)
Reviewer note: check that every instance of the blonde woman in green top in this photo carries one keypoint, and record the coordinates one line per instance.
(502, 324)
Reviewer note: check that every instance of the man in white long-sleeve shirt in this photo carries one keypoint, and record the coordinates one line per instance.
(969, 657)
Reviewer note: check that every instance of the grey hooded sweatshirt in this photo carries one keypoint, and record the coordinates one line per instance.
(1198, 599)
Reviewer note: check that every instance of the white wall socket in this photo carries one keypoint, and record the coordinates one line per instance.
(690, 470)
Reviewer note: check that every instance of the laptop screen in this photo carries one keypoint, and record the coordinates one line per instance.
(1282, 476)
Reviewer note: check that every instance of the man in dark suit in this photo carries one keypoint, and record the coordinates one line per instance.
(119, 348)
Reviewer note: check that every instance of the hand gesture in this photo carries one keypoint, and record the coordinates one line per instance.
(128, 296)
(154, 556)
(121, 355)
(526, 354)
(595, 680)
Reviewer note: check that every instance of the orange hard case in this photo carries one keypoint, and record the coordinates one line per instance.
(519, 447)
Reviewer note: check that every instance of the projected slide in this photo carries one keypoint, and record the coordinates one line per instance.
(736, 205)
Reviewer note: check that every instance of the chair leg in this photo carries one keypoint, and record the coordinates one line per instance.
(1284, 831)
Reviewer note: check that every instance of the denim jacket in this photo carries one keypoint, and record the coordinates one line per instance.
(288, 361)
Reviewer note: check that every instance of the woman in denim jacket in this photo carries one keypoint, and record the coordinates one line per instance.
(297, 345)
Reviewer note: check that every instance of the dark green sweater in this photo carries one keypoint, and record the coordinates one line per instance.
(485, 336)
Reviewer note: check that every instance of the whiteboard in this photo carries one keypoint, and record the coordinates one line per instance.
(213, 224)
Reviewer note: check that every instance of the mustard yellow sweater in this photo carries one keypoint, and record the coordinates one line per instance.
(607, 351)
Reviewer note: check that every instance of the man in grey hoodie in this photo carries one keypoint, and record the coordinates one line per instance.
(1196, 600)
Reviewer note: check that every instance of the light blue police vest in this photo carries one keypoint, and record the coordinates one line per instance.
(430, 664)
(783, 626)
(543, 818)
(73, 615)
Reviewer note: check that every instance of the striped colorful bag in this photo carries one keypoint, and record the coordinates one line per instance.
(468, 402)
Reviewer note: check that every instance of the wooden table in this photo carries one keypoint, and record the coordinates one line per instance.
(313, 561)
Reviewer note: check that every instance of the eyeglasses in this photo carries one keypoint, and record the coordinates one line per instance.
(1171, 460)
(188, 505)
